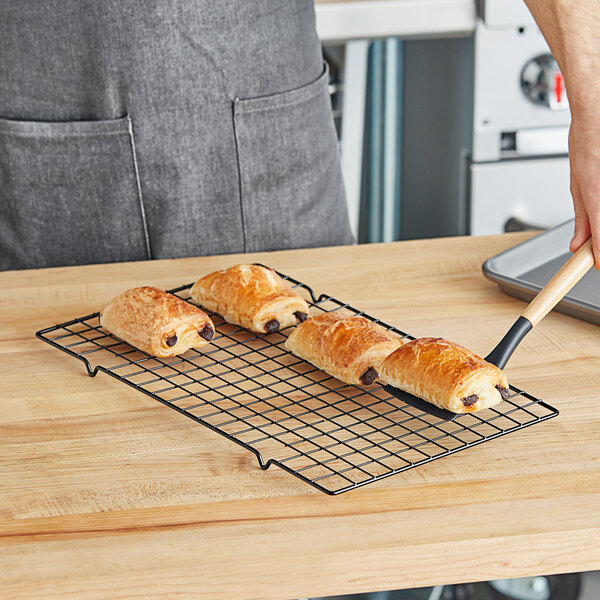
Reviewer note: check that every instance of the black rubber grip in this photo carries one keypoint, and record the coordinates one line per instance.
(503, 351)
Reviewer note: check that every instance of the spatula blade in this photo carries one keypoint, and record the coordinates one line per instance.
(420, 404)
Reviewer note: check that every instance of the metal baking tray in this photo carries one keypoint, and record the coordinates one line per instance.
(524, 270)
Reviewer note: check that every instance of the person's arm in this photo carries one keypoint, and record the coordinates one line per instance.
(572, 30)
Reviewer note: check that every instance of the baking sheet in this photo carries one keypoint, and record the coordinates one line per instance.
(523, 271)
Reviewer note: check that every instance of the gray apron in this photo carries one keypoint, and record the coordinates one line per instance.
(163, 128)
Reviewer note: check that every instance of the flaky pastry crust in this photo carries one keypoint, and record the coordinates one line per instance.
(350, 348)
(251, 296)
(445, 374)
(157, 322)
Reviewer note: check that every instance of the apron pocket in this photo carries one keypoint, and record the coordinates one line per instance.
(69, 194)
(291, 186)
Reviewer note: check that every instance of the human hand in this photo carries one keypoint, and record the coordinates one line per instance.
(584, 156)
(572, 30)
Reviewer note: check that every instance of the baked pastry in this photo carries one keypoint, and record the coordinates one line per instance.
(251, 296)
(350, 348)
(157, 322)
(445, 374)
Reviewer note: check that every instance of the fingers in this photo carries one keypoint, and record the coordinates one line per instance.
(586, 202)
(592, 203)
(582, 223)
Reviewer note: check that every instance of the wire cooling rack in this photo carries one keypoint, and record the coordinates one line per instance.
(250, 389)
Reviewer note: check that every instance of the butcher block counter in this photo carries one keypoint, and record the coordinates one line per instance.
(106, 493)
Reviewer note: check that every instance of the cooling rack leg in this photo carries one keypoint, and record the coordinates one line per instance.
(91, 372)
(40, 335)
(262, 464)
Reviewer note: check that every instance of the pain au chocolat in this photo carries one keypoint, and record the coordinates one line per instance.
(157, 322)
(445, 374)
(251, 296)
(351, 348)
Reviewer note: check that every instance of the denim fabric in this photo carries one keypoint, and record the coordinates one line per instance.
(163, 128)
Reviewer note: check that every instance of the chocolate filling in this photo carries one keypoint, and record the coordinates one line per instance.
(301, 316)
(369, 376)
(470, 400)
(504, 392)
(171, 341)
(272, 325)
(208, 333)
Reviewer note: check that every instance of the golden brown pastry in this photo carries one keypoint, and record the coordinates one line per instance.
(348, 347)
(251, 296)
(157, 322)
(446, 375)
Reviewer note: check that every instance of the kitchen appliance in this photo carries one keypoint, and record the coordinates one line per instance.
(486, 130)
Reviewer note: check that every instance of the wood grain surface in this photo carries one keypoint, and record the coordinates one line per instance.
(105, 493)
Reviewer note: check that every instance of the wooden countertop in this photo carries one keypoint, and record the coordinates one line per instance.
(105, 493)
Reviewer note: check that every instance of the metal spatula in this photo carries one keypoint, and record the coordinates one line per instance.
(550, 295)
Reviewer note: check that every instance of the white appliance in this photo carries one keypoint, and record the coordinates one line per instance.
(519, 172)
(486, 130)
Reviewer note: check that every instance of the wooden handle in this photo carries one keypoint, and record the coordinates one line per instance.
(555, 290)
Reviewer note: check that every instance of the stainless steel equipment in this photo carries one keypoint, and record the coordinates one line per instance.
(523, 270)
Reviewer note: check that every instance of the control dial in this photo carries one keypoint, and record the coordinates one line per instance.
(543, 83)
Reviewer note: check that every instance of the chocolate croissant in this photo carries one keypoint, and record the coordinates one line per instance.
(350, 348)
(251, 296)
(445, 374)
(157, 322)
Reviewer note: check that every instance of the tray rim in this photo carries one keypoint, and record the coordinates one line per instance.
(524, 290)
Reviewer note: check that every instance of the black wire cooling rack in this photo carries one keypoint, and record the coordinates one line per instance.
(250, 389)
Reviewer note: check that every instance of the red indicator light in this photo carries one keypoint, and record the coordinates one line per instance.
(558, 87)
